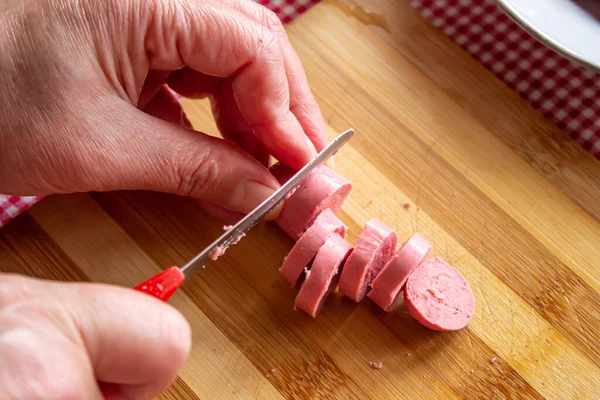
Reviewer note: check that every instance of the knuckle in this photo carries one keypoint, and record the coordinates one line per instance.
(271, 20)
(269, 43)
(198, 173)
(14, 288)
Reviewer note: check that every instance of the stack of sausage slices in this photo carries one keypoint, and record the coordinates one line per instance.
(321, 260)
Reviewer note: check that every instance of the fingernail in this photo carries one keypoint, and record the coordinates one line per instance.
(310, 147)
(275, 213)
(250, 194)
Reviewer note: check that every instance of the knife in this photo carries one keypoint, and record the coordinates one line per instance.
(164, 284)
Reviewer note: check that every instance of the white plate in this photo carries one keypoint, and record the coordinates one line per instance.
(572, 28)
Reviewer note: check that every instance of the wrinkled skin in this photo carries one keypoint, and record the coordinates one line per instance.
(63, 341)
(82, 100)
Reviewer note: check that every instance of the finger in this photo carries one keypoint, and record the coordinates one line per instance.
(140, 152)
(164, 105)
(230, 121)
(232, 45)
(134, 342)
(193, 84)
(76, 335)
(302, 102)
(154, 80)
(222, 214)
(233, 126)
(41, 356)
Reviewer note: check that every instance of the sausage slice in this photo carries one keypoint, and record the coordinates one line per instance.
(322, 279)
(324, 189)
(439, 297)
(390, 281)
(309, 243)
(375, 246)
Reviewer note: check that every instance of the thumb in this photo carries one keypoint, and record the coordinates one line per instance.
(86, 341)
(142, 152)
(136, 344)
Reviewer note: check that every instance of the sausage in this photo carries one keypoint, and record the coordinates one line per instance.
(375, 246)
(324, 189)
(390, 281)
(322, 279)
(439, 297)
(309, 243)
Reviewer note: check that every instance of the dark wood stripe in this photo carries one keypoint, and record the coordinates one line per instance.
(26, 249)
(179, 390)
(556, 292)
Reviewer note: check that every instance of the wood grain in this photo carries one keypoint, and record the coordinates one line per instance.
(498, 191)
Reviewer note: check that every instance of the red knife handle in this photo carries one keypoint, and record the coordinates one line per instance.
(162, 285)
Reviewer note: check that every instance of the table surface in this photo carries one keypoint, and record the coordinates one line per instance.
(500, 193)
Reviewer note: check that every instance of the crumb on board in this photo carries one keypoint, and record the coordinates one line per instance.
(273, 370)
(227, 227)
(376, 365)
(453, 194)
(408, 354)
(407, 204)
(472, 371)
(493, 360)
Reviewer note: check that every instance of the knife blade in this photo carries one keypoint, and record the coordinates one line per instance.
(163, 285)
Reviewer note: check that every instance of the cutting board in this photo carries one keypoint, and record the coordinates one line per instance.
(501, 194)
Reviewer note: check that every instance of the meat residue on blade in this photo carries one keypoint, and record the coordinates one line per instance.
(220, 250)
(238, 238)
(216, 253)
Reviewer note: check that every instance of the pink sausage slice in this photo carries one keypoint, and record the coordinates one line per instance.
(309, 243)
(375, 246)
(387, 285)
(439, 297)
(324, 189)
(322, 279)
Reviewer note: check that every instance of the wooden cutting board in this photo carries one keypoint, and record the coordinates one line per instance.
(498, 191)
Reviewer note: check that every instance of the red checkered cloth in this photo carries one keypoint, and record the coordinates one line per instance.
(566, 93)
(288, 10)
(11, 206)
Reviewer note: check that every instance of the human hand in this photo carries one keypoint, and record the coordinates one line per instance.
(73, 341)
(76, 73)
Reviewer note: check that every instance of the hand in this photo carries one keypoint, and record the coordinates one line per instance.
(76, 75)
(68, 341)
